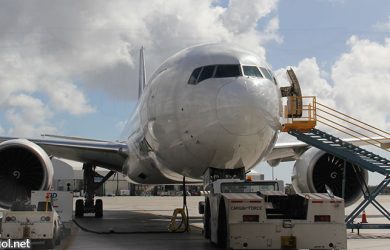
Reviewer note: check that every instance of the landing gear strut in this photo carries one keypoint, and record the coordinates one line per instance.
(89, 205)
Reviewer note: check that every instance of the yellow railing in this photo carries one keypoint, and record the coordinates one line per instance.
(300, 113)
(303, 112)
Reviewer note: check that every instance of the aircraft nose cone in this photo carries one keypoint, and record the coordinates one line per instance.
(245, 107)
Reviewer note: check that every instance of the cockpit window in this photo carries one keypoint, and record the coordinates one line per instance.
(206, 73)
(266, 73)
(251, 71)
(227, 71)
(217, 71)
(194, 76)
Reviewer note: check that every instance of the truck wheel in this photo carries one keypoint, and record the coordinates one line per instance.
(57, 236)
(50, 243)
(58, 240)
(79, 213)
(222, 226)
(98, 208)
(206, 220)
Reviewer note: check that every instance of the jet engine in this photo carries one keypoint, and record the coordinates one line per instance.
(317, 169)
(24, 166)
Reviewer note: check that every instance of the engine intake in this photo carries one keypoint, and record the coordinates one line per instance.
(316, 168)
(24, 166)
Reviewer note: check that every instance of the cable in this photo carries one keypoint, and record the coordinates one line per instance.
(183, 211)
(184, 219)
(114, 232)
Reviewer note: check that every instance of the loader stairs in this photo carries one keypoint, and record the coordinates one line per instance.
(302, 114)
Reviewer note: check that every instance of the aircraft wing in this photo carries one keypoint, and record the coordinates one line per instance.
(290, 151)
(106, 154)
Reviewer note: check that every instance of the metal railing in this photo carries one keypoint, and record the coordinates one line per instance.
(300, 113)
(303, 112)
(352, 127)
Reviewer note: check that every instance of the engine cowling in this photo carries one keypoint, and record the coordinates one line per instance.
(316, 168)
(24, 166)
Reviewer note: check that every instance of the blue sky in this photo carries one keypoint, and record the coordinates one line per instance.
(71, 68)
(321, 28)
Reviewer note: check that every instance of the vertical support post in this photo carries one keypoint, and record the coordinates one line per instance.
(185, 208)
(117, 184)
(273, 176)
(184, 192)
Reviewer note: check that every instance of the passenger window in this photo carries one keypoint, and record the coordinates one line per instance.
(194, 76)
(206, 73)
(266, 73)
(252, 71)
(227, 71)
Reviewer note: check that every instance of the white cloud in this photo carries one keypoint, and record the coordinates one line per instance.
(57, 50)
(362, 81)
(242, 16)
(28, 115)
(383, 26)
(359, 83)
(67, 97)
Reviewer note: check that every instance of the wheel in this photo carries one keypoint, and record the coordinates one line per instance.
(98, 208)
(50, 243)
(222, 226)
(206, 220)
(79, 213)
(58, 240)
(57, 237)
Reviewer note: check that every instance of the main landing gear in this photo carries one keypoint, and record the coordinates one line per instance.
(89, 205)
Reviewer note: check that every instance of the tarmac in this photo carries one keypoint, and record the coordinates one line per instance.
(137, 223)
(142, 223)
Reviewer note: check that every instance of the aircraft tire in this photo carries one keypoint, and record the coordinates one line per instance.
(79, 213)
(98, 208)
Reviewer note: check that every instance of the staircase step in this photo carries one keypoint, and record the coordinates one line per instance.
(344, 150)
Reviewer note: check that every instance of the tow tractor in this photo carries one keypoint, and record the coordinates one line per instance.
(38, 219)
(241, 214)
(24, 222)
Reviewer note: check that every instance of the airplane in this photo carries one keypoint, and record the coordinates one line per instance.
(211, 107)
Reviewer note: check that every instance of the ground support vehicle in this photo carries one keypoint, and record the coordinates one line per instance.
(24, 222)
(258, 215)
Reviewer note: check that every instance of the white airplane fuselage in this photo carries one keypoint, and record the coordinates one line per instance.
(221, 122)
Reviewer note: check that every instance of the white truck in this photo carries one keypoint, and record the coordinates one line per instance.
(40, 220)
(241, 214)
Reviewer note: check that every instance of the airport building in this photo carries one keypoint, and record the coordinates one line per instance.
(68, 175)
